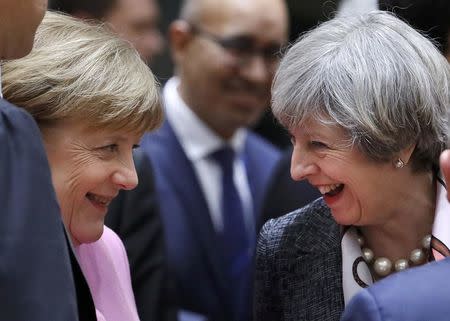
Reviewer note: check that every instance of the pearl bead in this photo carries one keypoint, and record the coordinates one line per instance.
(367, 254)
(360, 240)
(426, 242)
(382, 266)
(401, 264)
(417, 256)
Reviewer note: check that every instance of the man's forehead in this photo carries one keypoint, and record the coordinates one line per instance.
(237, 17)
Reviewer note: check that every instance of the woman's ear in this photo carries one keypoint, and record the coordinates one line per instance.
(406, 153)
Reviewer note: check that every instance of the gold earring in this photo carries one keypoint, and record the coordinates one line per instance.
(399, 163)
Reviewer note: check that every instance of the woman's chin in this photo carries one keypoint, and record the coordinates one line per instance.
(87, 236)
(343, 218)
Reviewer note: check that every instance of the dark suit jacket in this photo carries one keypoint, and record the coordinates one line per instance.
(299, 267)
(134, 216)
(36, 281)
(284, 194)
(418, 294)
(193, 245)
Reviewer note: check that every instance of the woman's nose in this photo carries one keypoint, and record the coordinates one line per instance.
(302, 165)
(126, 177)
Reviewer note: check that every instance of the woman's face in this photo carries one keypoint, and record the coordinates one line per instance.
(89, 168)
(355, 188)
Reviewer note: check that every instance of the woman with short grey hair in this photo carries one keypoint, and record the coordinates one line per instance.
(365, 100)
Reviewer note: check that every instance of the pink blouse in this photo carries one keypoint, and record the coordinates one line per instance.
(105, 266)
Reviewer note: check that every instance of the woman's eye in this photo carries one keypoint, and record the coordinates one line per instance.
(317, 144)
(111, 148)
(135, 146)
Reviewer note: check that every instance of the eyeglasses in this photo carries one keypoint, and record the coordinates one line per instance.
(242, 47)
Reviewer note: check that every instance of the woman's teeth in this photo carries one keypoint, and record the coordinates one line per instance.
(99, 199)
(328, 188)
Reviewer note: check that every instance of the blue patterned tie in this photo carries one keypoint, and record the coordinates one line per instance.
(235, 238)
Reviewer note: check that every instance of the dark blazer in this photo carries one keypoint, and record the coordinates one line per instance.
(134, 216)
(36, 281)
(192, 243)
(418, 294)
(298, 267)
(284, 194)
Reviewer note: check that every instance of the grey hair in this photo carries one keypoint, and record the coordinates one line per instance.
(383, 82)
(83, 72)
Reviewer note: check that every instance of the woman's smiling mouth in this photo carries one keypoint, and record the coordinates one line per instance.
(330, 190)
(100, 202)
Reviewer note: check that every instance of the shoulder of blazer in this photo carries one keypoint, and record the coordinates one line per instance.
(309, 229)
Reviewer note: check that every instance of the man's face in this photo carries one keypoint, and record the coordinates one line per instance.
(137, 21)
(19, 20)
(227, 64)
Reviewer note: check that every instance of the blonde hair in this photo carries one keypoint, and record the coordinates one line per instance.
(83, 72)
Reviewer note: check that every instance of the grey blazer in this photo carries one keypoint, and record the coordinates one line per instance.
(298, 267)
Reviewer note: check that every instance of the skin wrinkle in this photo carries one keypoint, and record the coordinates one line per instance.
(85, 160)
(361, 202)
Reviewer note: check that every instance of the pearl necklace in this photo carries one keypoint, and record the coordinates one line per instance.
(383, 266)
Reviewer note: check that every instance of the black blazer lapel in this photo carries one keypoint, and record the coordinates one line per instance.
(85, 303)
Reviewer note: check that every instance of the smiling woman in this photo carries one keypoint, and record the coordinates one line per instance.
(92, 98)
(365, 99)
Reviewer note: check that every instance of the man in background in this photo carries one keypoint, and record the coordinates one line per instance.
(211, 172)
(135, 20)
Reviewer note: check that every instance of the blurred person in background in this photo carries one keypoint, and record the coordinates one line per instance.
(36, 280)
(135, 20)
(365, 99)
(212, 174)
(92, 97)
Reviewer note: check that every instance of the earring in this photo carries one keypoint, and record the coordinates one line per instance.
(399, 163)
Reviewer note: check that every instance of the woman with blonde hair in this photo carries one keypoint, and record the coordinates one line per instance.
(92, 98)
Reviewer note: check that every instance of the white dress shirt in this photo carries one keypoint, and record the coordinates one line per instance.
(199, 142)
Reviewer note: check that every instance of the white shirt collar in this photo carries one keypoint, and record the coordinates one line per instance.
(197, 139)
(351, 251)
(441, 224)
